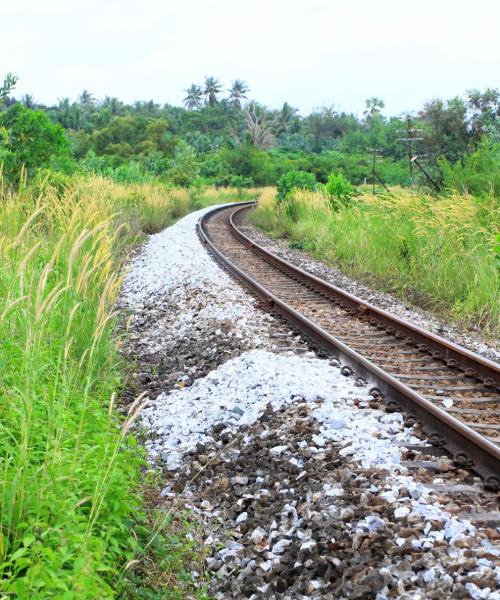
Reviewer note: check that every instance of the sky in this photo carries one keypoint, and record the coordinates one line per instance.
(310, 53)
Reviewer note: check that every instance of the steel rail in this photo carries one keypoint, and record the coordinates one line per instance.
(468, 448)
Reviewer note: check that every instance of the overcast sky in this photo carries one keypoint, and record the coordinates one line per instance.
(309, 52)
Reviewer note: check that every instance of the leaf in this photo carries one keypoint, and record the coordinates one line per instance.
(28, 540)
(18, 553)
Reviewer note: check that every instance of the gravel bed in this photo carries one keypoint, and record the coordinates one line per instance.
(298, 480)
(468, 339)
(186, 316)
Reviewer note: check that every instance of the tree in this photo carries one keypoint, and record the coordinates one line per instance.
(185, 167)
(7, 86)
(193, 99)
(287, 116)
(32, 140)
(68, 114)
(86, 98)
(212, 89)
(483, 111)
(237, 92)
(115, 106)
(28, 100)
(325, 126)
(373, 107)
(261, 125)
(445, 129)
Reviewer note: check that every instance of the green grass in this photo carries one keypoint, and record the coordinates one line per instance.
(438, 253)
(73, 520)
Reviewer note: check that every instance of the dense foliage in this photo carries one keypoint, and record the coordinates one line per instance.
(440, 253)
(233, 141)
(31, 140)
(74, 523)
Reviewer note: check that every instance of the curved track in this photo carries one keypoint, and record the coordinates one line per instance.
(413, 370)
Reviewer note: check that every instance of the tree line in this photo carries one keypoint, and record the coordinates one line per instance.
(232, 139)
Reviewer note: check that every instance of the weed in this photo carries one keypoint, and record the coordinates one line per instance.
(72, 515)
(437, 252)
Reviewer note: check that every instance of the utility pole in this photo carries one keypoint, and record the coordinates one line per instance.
(411, 137)
(434, 184)
(375, 151)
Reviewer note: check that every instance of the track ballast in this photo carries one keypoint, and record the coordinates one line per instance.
(454, 393)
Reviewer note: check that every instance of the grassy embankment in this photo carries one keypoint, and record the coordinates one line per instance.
(73, 519)
(440, 253)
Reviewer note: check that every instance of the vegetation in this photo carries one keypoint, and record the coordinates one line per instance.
(439, 253)
(82, 180)
(31, 141)
(73, 520)
(339, 191)
(222, 135)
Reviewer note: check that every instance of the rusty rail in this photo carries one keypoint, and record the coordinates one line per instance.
(468, 447)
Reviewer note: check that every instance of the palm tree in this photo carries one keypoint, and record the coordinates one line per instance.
(286, 116)
(86, 98)
(212, 88)
(69, 114)
(237, 93)
(373, 106)
(115, 106)
(194, 97)
(29, 101)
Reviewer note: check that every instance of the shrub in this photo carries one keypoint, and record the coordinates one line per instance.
(477, 173)
(30, 140)
(296, 180)
(340, 191)
(185, 167)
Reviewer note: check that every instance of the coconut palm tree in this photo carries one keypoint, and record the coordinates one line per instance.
(237, 93)
(115, 106)
(86, 98)
(194, 97)
(212, 88)
(68, 114)
(373, 107)
(29, 101)
(287, 114)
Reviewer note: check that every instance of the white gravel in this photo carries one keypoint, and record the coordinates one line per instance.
(238, 392)
(174, 265)
(183, 304)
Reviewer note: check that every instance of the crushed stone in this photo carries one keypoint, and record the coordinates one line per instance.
(472, 340)
(295, 476)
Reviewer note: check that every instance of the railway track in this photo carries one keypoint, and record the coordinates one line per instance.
(452, 392)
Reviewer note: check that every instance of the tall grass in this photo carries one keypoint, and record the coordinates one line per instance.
(70, 511)
(435, 252)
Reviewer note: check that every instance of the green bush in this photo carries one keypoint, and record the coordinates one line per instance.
(50, 180)
(185, 167)
(295, 180)
(340, 191)
(477, 173)
(29, 140)
(290, 181)
(130, 172)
